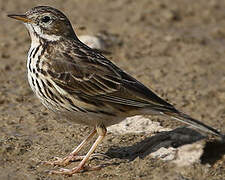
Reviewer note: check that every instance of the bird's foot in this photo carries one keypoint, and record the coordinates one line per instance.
(63, 161)
(71, 158)
(78, 169)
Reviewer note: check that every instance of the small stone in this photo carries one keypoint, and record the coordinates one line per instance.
(93, 42)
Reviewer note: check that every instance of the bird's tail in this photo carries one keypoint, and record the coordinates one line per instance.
(193, 122)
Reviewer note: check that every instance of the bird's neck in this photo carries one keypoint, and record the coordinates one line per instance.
(37, 35)
(35, 40)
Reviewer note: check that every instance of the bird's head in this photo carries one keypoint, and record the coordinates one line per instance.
(46, 22)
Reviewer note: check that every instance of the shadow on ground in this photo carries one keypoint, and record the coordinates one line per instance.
(212, 151)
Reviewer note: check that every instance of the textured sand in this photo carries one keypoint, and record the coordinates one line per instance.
(176, 47)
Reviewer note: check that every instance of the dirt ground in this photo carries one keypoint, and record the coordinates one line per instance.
(176, 47)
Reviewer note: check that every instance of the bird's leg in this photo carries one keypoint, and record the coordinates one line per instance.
(73, 155)
(101, 130)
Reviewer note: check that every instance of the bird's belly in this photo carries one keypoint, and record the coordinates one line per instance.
(41, 92)
(91, 119)
(65, 111)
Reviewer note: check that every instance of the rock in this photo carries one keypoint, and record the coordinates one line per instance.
(93, 42)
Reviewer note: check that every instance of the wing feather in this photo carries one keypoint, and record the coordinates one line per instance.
(91, 75)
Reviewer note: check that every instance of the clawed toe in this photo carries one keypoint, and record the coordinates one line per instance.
(67, 160)
(59, 161)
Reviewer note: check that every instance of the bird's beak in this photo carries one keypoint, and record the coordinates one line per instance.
(21, 17)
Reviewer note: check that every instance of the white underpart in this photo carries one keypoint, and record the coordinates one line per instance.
(32, 61)
(36, 29)
(34, 39)
(31, 64)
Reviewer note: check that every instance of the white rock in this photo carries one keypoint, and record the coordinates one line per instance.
(184, 155)
(189, 154)
(92, 41)
(165, 154)
(136, 124)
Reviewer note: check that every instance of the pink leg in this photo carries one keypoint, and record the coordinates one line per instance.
(73, 155)
(102, 132)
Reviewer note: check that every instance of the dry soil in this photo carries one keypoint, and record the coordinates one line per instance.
(176, 47)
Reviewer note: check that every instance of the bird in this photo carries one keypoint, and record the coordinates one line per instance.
(82, 85)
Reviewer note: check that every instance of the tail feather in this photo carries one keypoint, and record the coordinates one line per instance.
(193, 122)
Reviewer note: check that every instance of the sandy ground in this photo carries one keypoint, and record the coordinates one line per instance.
(176, 47)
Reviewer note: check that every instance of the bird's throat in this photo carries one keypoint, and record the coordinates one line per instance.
(36, 33)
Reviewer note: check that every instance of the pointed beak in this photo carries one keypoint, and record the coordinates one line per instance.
(21, 17)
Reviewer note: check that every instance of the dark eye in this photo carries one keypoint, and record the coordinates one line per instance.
(45, 19)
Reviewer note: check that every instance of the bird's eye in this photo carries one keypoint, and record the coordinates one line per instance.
(45, 19)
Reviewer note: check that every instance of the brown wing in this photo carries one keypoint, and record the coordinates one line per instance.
(89, 75)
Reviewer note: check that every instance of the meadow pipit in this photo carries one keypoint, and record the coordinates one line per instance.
(81, 84)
